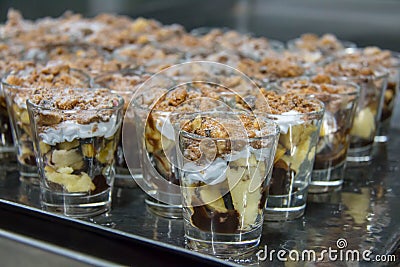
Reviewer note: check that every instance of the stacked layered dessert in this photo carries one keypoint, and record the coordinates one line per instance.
(225, 171)
(19, 86)
(340, 100)
(372, 81)
(374, 56)
(47, 51)
(299, 119)
(76, 134)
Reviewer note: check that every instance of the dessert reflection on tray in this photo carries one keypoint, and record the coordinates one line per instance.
(213, 140)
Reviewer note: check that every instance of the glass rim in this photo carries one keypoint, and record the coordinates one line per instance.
(120, 105)
(312, 113)
(292, 46)
(383, 72)
(354, 50)
(354, 92)
(89, 82)
(124, 72)
(271, 123)
(151, 107)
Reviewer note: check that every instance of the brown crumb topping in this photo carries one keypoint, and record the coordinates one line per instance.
(372, 55)
(280, 103)
(348, 69)
(124, 80)
(194, 97)
(311, 42)
(319, 84)
(95, 105)
(228, 128)
(271, 68)
(56, 74)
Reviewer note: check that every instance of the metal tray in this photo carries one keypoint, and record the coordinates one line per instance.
(365, 213)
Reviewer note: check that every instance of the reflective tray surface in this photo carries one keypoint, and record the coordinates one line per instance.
(364, 215)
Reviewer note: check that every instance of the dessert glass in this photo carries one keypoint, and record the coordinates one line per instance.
(372, 82)
(340, 100)
(16, 96)
(374, 56)
(196, 86)
(75, 134)
(224, 166)
(299, 119)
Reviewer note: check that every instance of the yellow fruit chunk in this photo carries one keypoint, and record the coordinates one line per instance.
(67, 158)
(43, 147)
(245, 199)
(25, 117)
(211, 196)
(71, 182)
(298, 155)
(88, 150)
(364, 124)
(106, 155)
(280, 151)
(68, 145)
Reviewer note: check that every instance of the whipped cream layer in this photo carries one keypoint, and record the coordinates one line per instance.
(164, 126)
(215, 172)
(287, 120)
(67, 131)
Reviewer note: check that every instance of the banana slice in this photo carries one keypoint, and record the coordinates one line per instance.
(245, 202)
(68, 145)
(211, 196)
(280, 151)
(298, 155)
(363, 124)
(107, 153)
(67, 158)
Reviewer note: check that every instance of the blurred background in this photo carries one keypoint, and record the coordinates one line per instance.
(366, 22)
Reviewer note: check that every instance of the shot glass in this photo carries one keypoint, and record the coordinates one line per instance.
(340, 100)
(224, 165)
(75, 133)
(372, 82)
(18, 86)
(374, 56)
(299, 119)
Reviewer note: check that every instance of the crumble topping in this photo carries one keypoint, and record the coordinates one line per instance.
(124, 80)
(312, 42)
(99, 101)
(348, 69)
(278, 104)
(54, 74)
(228, 128)
(191, 97)
(319, 84)
(271, 68)
(371, 55)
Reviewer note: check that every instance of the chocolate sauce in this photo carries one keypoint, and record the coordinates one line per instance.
(207, 219)
(101, 184)
(357, 142)
(281, 179)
